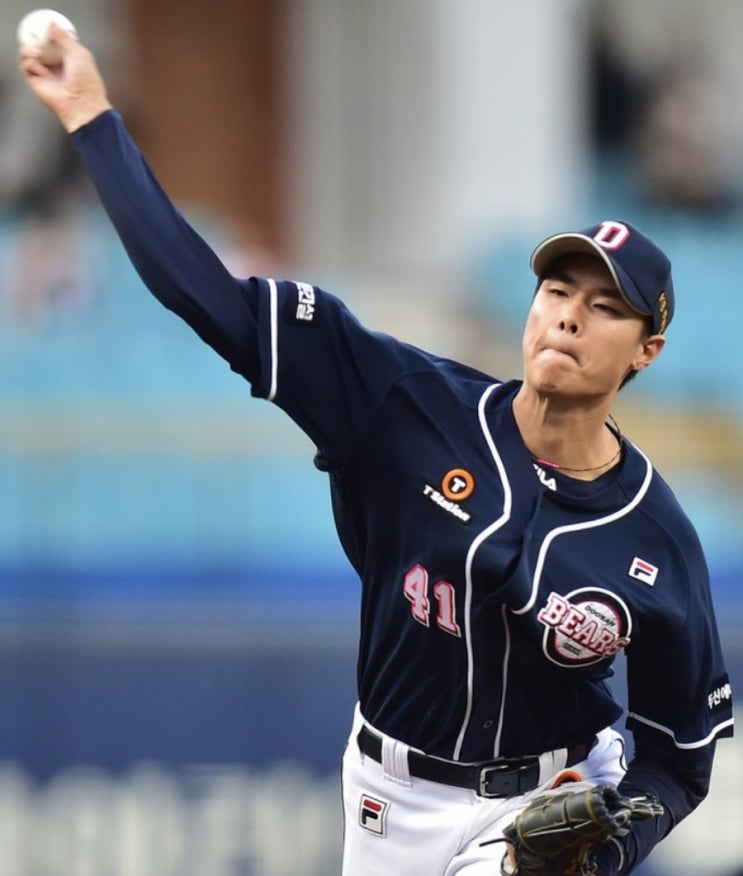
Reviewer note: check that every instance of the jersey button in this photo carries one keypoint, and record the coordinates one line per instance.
(488, 723)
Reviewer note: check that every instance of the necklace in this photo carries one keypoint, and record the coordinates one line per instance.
(556, 466)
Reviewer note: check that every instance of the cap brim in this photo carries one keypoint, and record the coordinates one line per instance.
(554, 248)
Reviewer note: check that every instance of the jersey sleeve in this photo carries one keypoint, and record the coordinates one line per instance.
(679, 704)
(299, 347)
(323, 367)
(678, 688)
(173, 261)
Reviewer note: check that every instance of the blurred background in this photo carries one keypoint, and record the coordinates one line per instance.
(177, 622)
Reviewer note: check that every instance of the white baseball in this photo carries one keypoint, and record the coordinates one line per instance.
(33, 32)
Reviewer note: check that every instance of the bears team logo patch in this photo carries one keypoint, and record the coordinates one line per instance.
(373, 815)
(585, 626)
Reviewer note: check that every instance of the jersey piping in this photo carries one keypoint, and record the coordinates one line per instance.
(273, 297)
(486, 533)
(504, 686)
(588, 524)
(700, 743)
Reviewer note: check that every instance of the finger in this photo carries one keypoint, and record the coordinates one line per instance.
(26, 53)
(60, 35)
(31, 65)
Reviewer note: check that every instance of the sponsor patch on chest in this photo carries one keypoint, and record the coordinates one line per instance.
(585, 626)
(457, 485)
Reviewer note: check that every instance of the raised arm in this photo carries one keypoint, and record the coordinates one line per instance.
(174, 262)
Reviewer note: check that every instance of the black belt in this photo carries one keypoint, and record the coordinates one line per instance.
(502, 777)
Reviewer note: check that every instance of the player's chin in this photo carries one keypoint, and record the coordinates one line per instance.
(572, 393)
(555, 378)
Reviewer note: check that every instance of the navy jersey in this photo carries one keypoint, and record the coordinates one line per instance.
(495, 595)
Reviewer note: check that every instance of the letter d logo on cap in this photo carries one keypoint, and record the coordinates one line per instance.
(612, 235)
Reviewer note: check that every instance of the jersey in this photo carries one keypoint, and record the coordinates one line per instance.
(495, 595)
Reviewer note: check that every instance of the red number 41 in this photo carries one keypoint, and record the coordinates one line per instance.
(415, 588)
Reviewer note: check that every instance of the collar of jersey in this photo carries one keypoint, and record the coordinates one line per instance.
(610, 491)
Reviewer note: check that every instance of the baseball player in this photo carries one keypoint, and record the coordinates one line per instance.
(510, 541)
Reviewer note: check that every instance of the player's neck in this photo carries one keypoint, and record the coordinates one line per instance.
(573, 439)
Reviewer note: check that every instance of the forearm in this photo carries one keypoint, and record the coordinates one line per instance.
(680, 789)
(173, 261)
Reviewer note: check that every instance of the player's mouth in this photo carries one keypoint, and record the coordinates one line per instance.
(558, 352)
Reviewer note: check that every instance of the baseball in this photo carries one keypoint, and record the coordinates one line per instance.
(33, 32)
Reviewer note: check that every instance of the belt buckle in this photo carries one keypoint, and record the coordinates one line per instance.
(505, 776)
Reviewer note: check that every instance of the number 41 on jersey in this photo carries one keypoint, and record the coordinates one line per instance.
(416, 587)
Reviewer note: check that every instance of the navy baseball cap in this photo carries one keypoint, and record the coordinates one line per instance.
(640, 269)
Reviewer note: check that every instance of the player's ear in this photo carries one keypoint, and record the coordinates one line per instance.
(649, 352)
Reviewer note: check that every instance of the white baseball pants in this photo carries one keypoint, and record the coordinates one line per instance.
(398, 825)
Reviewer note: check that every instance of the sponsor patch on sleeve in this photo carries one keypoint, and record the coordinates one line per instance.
(301, 307)
(720, 695)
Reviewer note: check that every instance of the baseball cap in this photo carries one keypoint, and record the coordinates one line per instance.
(640, 269)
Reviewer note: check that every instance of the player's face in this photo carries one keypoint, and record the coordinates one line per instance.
(581, 337)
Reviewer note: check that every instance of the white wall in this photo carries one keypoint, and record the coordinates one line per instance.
(419, 126)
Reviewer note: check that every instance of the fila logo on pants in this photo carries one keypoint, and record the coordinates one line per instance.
(372, 814)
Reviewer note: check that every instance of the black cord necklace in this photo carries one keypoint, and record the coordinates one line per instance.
(557, 467)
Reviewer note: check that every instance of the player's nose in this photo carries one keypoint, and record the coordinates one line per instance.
(568, 325)
(568, 318)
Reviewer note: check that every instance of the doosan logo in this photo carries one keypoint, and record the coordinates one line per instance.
(720, 695)
(612, 235)
(584, 627)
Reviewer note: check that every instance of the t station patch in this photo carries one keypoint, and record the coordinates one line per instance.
(373, 814)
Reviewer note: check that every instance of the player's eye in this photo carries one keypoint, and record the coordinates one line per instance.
(609, 309)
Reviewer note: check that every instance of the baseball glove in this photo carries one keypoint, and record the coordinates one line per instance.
(558, 834)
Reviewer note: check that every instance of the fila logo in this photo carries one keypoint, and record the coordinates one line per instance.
(643, 571)
(373, 815)
(305, 302)
(612, 235)
(546, 481)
